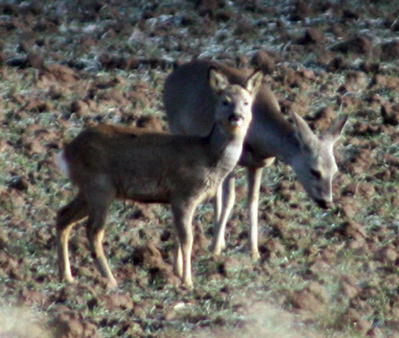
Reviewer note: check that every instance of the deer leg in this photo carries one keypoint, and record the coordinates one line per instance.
(254, 181)
(95, 233)
(66, 218)
(178, 263)
(225, 197)
(183, 216)
(218, 205)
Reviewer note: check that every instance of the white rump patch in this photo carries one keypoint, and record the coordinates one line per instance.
(62, 163)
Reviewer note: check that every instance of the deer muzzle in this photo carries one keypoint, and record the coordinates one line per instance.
(236, 120)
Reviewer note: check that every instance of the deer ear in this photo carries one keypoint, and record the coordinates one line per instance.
(254, 82)
(217, 80)
(303, 133)
(335, 130)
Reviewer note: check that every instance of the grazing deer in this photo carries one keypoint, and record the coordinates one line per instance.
(190, 106)
(108, 162)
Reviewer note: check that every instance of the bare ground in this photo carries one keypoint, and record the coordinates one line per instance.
(64, 65)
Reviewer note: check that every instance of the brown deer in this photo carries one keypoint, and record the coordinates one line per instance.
(107, 162)
(190, 106)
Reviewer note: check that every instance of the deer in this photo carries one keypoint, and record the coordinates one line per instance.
(190, 105)
(108, 162)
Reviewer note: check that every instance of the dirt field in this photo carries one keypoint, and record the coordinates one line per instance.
(334, 273)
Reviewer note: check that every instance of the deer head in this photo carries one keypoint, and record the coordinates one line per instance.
(315, 163)
(234, 105)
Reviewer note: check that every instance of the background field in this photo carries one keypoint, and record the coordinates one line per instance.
(64, 64)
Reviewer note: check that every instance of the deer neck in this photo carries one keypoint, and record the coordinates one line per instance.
(225, 149)
(272, 137)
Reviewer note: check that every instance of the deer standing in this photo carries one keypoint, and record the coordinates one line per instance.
(108, 162)
(190, 105)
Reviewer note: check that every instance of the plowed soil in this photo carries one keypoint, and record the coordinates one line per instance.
(335, 273)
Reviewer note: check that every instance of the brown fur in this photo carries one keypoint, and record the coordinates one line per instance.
(190, 106)
(107, 162)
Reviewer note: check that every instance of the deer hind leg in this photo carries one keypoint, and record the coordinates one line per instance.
(183, 216)
(225, 199)
(99, 203)
(254, 181)
(66, 218)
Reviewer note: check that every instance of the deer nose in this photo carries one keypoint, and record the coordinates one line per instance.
(236, 119)
(324, 204)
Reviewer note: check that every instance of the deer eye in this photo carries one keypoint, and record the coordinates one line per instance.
(225, 102)
(315, 173)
